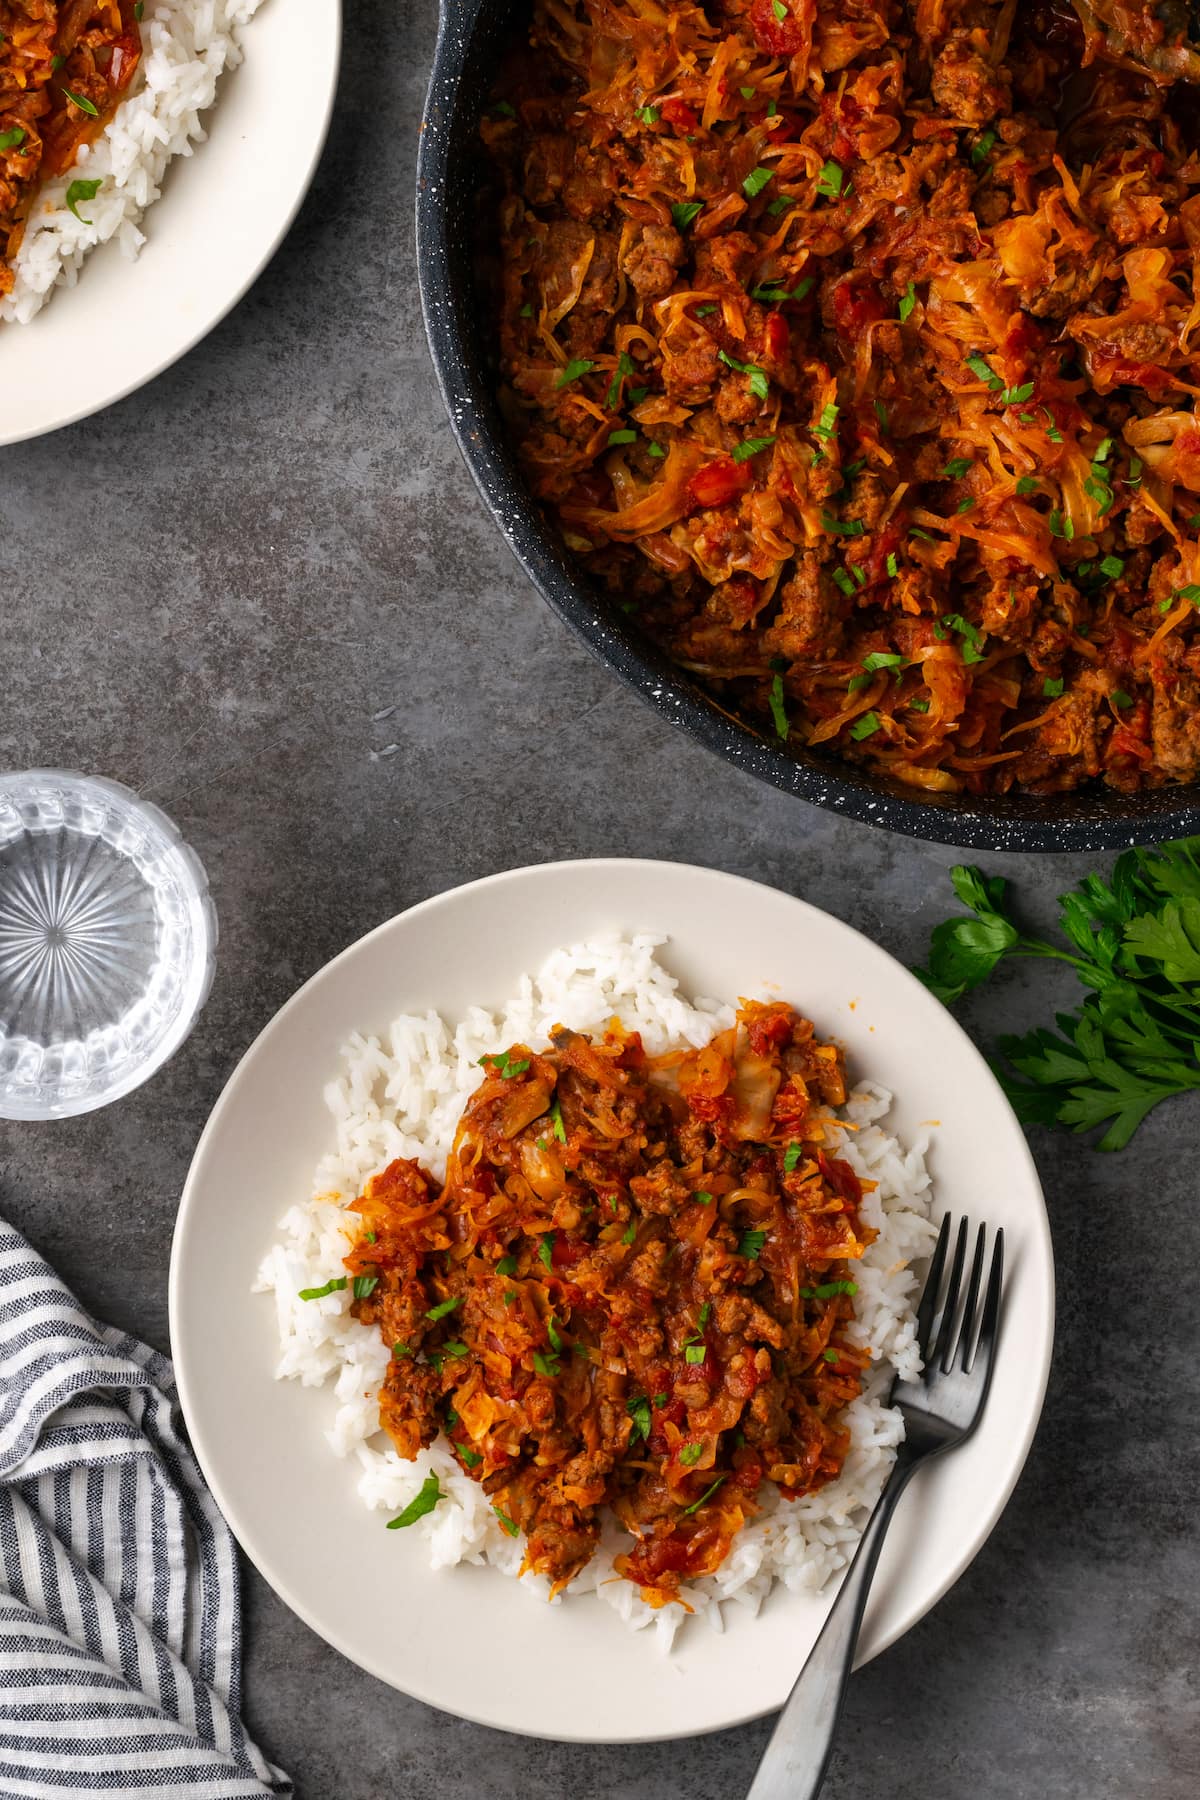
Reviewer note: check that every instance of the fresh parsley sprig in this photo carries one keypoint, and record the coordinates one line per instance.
(1135, 945)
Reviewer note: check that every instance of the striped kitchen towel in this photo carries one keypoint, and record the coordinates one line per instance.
(120, 1630)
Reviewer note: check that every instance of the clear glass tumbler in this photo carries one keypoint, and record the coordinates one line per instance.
(107, 941)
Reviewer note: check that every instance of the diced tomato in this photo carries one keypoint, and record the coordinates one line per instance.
(776, 336)
(840, 1176)
(778, 37)
(843, 115)
(1132, 736)
(857, 304)
(680, 114)
(567, 1250)
(718, 482)
(748, 1475)
(768, 1032)
(673, 1413)
(1109, 369)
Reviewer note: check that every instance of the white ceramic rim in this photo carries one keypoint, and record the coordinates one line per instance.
(271, 118)
(1035, 1351)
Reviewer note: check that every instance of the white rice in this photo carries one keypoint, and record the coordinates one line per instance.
(403, 1097)
(186, 45)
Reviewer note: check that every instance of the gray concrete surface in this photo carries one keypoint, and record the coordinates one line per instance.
(209, 592)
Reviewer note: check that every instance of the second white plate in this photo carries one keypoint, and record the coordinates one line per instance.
(223, 212)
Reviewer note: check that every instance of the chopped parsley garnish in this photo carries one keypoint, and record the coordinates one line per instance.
(444, 1307)
(843, 527)
(845, 583)
(656, 450)
(509, 1525)
(1027, 484)
(83, 104)
(507, 1265)
(826, 425)
(774, 295)
(1052, 431)
(400, 1351)
(921, 706)
(1135, 471)
(684, 211)
(454, 1347)
(1061, 527)
(957, 467)
(1016, 396)
(702, 312)
(505, 109)
(831, 1356)
(780, 204)
(695, 1353)
(893, 567)
(553, 1333)
(981, 149)
(647, 114)
(705, 1313)
(778, 709)
(416, 1509)
(779, 9)
(1120, 698)
(630, 1232)
(333, 1286)
(756, 181)
(639, 1411)
(759, 386)
(751, 1242)
(747, 93)
(560, 1130)
(881, 413)
(16, 135)
(691, 1454)
(979, 365)
(828, 1289)
(829, 181)
(625, 366)
(702, 1197)
(1112, 566)
(908, 300)
(791, 1156)
(864, 727)
(621, 437)
(578, 365)
(472, 1458)
(964, 505)
(882, 659)
(546, 1365)
(546, 1248)
(660, 1400)
(751, 447)
(509, 1296)
(707, 1495)
(1052, 688)
(973, 648)
(925, 536)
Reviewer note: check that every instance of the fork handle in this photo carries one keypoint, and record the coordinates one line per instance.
(797, 1756)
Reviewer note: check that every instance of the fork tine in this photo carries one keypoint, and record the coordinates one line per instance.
(933, 1281)
(966, 1335)
(945, 1319)
(981, 1363)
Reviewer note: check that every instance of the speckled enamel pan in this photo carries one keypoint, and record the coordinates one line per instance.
(448, 179)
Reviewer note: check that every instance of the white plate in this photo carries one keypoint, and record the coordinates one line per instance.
(222, 214)
(468, 1639)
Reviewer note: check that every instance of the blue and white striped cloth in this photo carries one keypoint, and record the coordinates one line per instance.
(120, 1627)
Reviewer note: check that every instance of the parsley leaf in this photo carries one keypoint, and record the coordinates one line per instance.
(829, 181)
(685, 211)
(756, 181)
(546, 1248)
(707, 1495)
(751, 447)
(425, 1502)
(445, 1307)
(865, 726)
(778, 709)
(82, 190)
(691, 1454)
(333, 1286)
(509, 1525)
(759, 386)
(750, 1244)
(578, 365)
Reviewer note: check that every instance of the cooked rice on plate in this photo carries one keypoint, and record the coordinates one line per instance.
(402, 1097)
(187, 45)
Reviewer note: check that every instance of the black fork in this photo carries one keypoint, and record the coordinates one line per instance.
(940, 1409)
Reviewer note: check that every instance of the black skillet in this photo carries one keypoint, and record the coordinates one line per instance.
(472, 35)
